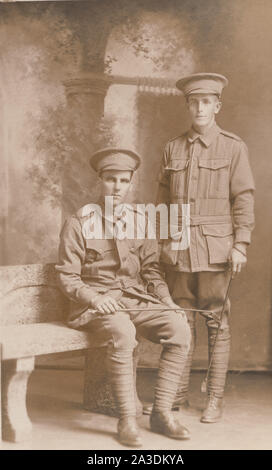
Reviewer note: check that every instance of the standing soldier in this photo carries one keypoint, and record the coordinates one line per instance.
(207, 168)
(103, 276)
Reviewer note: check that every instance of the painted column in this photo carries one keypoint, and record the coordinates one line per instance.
(85, 110)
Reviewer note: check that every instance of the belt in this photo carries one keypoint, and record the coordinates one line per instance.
(209, 219)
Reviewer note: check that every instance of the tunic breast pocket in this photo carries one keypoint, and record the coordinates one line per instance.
(93, 255)
(177, 170)
(134, 244)
(91, 262)
(214, 177)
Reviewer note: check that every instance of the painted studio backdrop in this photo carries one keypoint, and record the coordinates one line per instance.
(76, 76)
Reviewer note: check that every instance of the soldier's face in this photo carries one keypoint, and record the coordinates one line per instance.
(116, 183)
(202, 109)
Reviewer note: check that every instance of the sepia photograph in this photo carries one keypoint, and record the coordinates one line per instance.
(135, 228)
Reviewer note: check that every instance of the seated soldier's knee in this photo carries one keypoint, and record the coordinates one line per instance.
(123, 332)
(179, 330)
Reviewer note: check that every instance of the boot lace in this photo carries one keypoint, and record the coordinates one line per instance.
(213, 402)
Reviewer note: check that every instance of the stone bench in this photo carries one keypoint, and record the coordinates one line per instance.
(32, 323)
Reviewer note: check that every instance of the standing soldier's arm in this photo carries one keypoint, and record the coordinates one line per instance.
(242, 201)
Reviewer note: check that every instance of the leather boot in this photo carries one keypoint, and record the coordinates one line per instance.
(120, 369)
(128, 433)
(217, 375)
(213, 411)
(162, 420)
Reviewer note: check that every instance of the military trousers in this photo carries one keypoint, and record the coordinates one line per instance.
(205, 290)
(120, 329)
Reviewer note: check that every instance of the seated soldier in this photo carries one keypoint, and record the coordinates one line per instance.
(104, 275)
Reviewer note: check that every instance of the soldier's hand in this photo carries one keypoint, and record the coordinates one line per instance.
(106, 304)
(237, 261)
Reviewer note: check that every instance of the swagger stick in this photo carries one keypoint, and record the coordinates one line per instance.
(205, 313)
(205, 381)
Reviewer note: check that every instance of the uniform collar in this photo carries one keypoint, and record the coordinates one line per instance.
(206, 138)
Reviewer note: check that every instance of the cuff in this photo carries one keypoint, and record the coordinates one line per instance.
(242, 236)
(86, 295)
